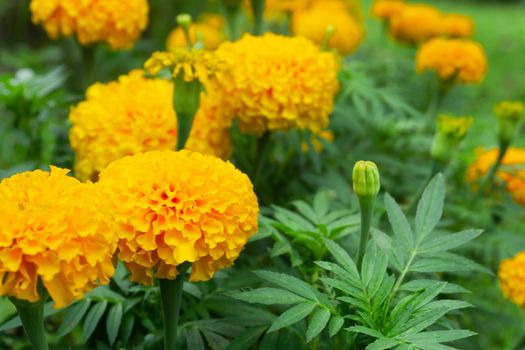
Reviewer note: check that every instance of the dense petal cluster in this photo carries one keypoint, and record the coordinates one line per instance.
(176, 207)
(134, 115)
(512, 172)
(115, 22)
(387, 9)
(457, 26)
(415, 24)
(208, 34)
(53, 229)
(453, 59)
(278, 83)
(313, 22)
(511, 275)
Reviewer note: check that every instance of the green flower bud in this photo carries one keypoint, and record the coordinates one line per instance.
(509, 114)
(450, 132)
(365, 179)
(184, 20)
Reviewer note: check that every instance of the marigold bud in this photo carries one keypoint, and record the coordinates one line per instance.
(365, 179)
(184, 20)
(509, 114)
(450, 132)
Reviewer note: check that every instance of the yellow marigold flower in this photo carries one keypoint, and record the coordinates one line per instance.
(387, 9)
(134, 115)
(461, 60)
(115, 22)
(176, 207)
(512, 172)
(207, 35)
(278, 83)
(312, 23)
(415, 24)
(273, 6)
(457, 26)
(511, 275)
(54, 230)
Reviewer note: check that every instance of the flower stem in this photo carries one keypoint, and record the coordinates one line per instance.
(184, 129)
(32, 316)
(488, 181)
(171, 296)
(232, 14)
(260, 156)
(367, 208)
(258, 11)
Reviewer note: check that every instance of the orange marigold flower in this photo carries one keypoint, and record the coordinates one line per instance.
(457, 26)
(176, 207)
(278, 83)
(511, 275)
(53, 229)
(134, 115)
(208, 34)
(415, 24)
(512, 172)
(115, 22)
(387, 9)
(313, 22)
(462, 60)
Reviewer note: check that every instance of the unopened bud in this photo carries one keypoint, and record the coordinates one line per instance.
(449, 134)
(509, 114)
(365, 179)
(184, 20)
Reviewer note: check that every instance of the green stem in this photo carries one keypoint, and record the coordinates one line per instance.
(32, 316)
(367, 208)
(258, 12)
(260, 156)
(488, 181)
(88, 62)
(232, 14)
(171, 297)
(184, 128)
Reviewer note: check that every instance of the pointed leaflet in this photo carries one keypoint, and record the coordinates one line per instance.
(293, 315)
(113, 322)
(319, 320)
(291, 283)
(268, 296)
(342, 257)
(449, 241)
(430, 207)
(92, 319)
(73, 316)
(399, 223)
(335, 325)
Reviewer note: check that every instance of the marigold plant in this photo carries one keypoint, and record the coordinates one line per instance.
(514, 179)
(313, 22)
(117, 23)
(176, 207)
(460, 60)
(53, 230)
(415, 24)
(511, 275)
(279, 83)
(134, 115)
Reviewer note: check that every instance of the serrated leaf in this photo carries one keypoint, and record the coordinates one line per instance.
(14, 322)
(246, 339)
(430, 207)
(92, 319)
(399, 223)
(215, 341)
(375, 264)
(335, 325)
(269, 296)
(128, 321)
(194, 340)
(433, 337)
(291, 283)
(382, 344)
(321, 204)
(365, 330)
(73, 316)
(114, 321)
(318, 322)
(306, 211)
(447, 242)
(417, 285)
(292, 315)
(447, 262)
(269, 341)
(342, 257)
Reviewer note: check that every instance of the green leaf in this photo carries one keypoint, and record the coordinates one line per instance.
(382, 344)
(342, 257)
(417, 285)
(373, 271)
(194, 340)
(449, 241)
(92, 319)
(447, 262)
(246, 339)
(433, 337)
(268, 296)
(365, 330)
(291, 283)
(73, 316)
(269, 341)
(49, 310)
(399, 224)
(319, 320)
(321, 204)
(128, 322)
(335, 325)
(306, 211)
(292, 315)
(114, 321)
(215, 341)
(430, 207)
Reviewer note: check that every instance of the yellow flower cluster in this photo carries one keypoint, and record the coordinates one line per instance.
(115, 22)
(208, 34)
(463, 61)
(415, 24)
(313, 22)
(512, 279)
(278, 83)
(53, 229)
(514, 179)
(134, 115)
(454, 127)
(194, 64)
(387, 9)
(176, 207)
(511, 110)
